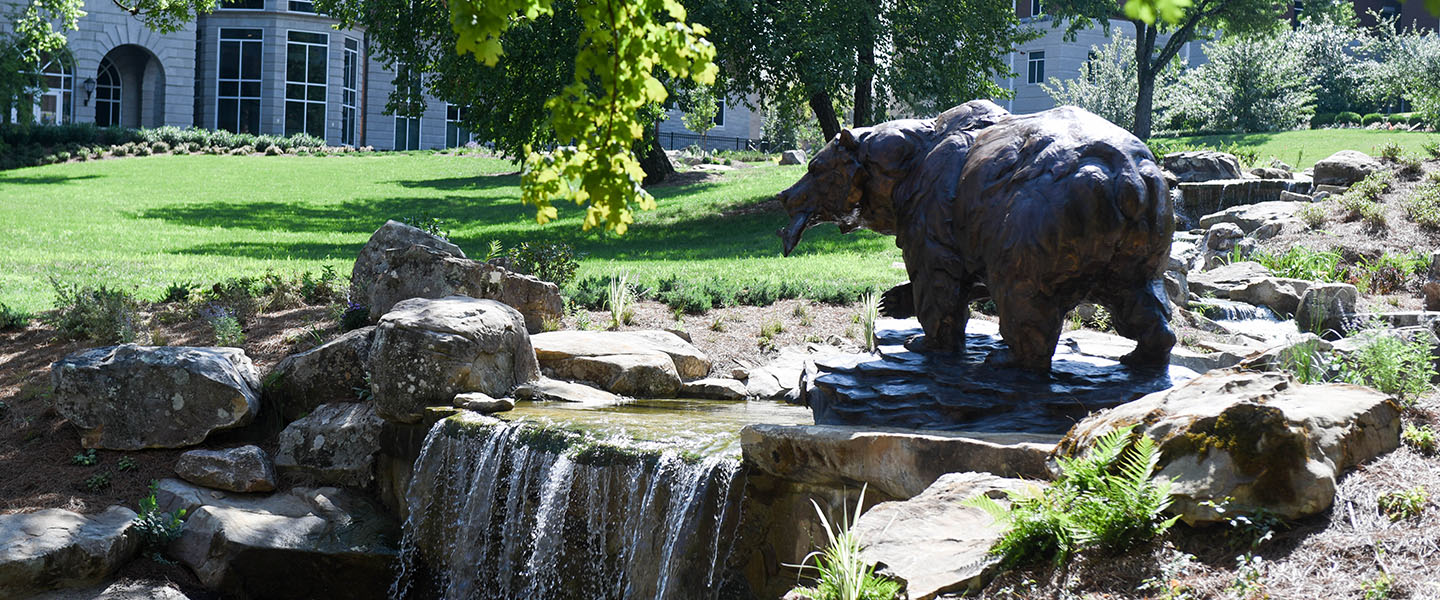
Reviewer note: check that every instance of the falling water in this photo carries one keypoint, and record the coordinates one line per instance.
(518, 510)
(1259, 322)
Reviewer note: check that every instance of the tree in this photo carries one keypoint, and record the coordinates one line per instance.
(1407, 67)
(919, 56)
(699, 111)
(1180, 19)
(622, 45)
(1251, 83)
(1339, 66)
(1106, 85)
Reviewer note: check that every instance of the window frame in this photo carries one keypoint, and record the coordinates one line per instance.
(1035, 67)
(419, 141)
(719, 112)
(239, 78)
(117, 89)
(349, 90)
(457, 126)
(220, 5)
(1037, 8)
(305, 101)
(63, 92)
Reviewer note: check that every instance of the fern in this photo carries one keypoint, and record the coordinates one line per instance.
(1107, 500)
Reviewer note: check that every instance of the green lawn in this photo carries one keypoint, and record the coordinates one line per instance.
(1302, 149)
(144, 223)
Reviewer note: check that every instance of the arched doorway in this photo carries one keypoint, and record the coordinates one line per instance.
(130, 88)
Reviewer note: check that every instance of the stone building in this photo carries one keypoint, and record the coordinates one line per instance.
(252, 66)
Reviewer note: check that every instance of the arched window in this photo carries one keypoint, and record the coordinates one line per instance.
(107, 95)
(56, 100)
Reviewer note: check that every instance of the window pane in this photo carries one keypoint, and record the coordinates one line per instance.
(229, 88)
(414, 142)
(229, 33)
(308, 37)
(250, 61)
(226, 118)
(294, 117)
(317, 64)
(250, 89)
(399, 133)
(294, 91)
(249, 116)
(229, 60)
(317, 93)
(315, 119)
(294, 62)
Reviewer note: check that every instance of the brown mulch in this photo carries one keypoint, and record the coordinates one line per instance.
(37, 444)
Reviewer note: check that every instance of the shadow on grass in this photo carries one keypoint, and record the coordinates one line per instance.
(674, 232)
(44, 179)
(454, 184)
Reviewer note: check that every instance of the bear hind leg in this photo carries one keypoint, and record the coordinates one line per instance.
(1141, 313)
(1030, 326)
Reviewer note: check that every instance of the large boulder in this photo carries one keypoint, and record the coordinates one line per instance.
(242, 469)
(308, 543)
(334, 445)
(1344, 168)
(372, 261)
(1202, 165)
(1220, 281)
(54, 548)
(132, 397)
(792, 157)
(934, 543)
(1256, 440)
(328, 373)
(120, 590)
(1326, 308)
(714, 388)
(897, 462)
(423, 272)
(650, 364)
(427, 351)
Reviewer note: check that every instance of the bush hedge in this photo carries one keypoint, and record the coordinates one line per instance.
(1322, 120)
(1347, 118)
(28, 144)
(1372, 119)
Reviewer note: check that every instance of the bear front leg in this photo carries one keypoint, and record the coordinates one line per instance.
(1030, 325)
(942, 305)
(1142, 313)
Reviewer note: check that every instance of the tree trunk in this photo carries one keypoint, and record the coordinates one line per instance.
(1145, 71)
(654, 161)
(825, 114)
(865, 75)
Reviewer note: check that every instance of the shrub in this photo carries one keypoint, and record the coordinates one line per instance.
(1403, 504)
(1250, 83)
(841, 571)
(1107, 500)
(325, 288)
(1432, 149)
(1386, 274)
(1372, 119)
(227, 330)
(236, 294)
(1322, 120)
(1313, 215)
(156, 529)
(1347, 118)
(555, 262)
(1392, 365)
(1390, 151)
(273, 151)
(159, 148)
(62, 156)
(1423, 207)
(1421, 438)
(11, 318)
(108, 316)
(354, 317)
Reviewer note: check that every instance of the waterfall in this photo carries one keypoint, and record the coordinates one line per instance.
(518, 510)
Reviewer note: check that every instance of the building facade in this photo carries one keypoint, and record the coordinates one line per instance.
(251, 66)
(737, 127)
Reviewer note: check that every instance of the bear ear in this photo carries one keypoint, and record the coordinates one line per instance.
(847, 139)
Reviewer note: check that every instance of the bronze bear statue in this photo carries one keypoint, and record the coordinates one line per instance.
(1038, 211)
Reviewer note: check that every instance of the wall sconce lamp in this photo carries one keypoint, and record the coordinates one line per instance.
(89, 89)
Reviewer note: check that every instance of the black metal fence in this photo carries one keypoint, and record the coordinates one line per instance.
(676, 140)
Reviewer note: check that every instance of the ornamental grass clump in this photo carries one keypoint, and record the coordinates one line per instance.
(869, 314)
(621, 300)
(1108, 500)
(840, 571)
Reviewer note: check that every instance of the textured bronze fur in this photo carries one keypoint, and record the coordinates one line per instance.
(1040, 212)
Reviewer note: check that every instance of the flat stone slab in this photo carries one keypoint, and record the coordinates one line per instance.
(123, 590)
(934, 542)
(899, 462)
(56, 548)
(545, 389)
(959, 391)
(714, 388)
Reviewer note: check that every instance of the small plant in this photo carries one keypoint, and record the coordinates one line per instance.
(717, 325)
(1305, 361)
(841, 572)
(621, 300)
(227, 330)
(1403, 504)
(1390, 151)
(1107, 499)
(98, 482)
(1313, 215)
(155, 528)
(1410, 166)
(1392, 365)
(126, 464)
(496, 250)
(1379, 587)
(176, 292)
(1421, 438)
(869, 314)
(1300, 262)
(432, 225)
(1247, 530)
(555, 262)
(12, 318)
(1249, 569)
(1432, 149)
(105, 315)
(768, 331)
(354, 317)
(85, 458)
(799, 311)
(1423, 207)
(364, 393)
